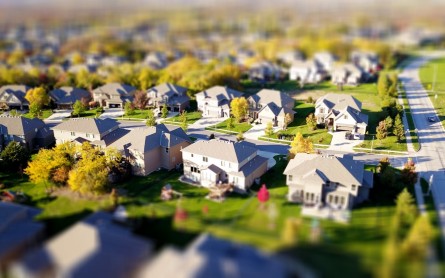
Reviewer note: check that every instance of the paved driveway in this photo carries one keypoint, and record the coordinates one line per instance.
(204, 122)
(339, 143)
(112, 113)
(59, 115)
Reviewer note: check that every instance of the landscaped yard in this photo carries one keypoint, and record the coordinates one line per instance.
(45, 114)
(237, 127)
(426, 74)
(87, 114)
(137, 114)
(192, 117)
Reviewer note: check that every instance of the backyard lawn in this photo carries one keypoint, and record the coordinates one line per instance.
(45, 114)
(426, 74)
(137, 114)
(192, 117)
(237, 127)
(87, 114)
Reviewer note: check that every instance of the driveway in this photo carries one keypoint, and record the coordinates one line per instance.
(204, 122)
(59, 115)
(112, 113)
(257, 130)
(339, 143)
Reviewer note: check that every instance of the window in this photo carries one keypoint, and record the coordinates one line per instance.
(194, 170)
(322, 110)
(335, 199)
(73, 133)
(353, 187)
(191, 155)
(345, 117)
(289, 177)
(205, 159)
(342, 200)
(166, 150)
(223, 163)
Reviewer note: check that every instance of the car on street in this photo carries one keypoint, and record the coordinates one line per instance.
(432, 119)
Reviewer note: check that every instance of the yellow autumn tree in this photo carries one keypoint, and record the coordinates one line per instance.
(38, 97)
(239, 107)
(300, 145)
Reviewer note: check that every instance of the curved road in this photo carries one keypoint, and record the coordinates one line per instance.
(430, 160)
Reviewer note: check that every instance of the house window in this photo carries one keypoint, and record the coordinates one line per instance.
(330, 198)
(205, 159)
(73, 133)
(289, 177)
(223, 163)
(335, 199)
(353, 187)
(342, 200)
(194, 170)
(235, 180)
(166, 150)
(345, 117)
(191, 155)
(321, 110)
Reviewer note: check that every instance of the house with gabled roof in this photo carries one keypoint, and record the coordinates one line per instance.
(100, 132)
(65, 97)
(148, 149)
(215, 101)
(336, 182)
(341, 112)
(156, 60)
(346, 74)
(30, 133)
(271, 106)
(217, 161)
(114, 95)
(307, 71)
(173, 96)
(13, 97)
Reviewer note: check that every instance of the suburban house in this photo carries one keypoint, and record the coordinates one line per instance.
(271, 106)
(99, 245)
(306, 72)
(156, 60)
(114, 95)
(215, 102)
(289, 57)
(325, 60)
(31, 133)
(65, 97)
(150, 148)
(346, 74)
(336, 182)
(216, 161)
(18, 231)
(204, 255)
(13, 97)
(173, 96)
(264, 71)
(341, 112)
(366, 61)
(96, 131)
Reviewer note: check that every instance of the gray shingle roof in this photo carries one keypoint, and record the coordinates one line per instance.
(14, 94)
(250, 167)
(340, 101)
(224, 150)
(122, 90)
(220, 93)
(19, 125)
(168, 89)
(68, 95)
(266, 96)
(338, 169)
(87, 125)
(145, 139)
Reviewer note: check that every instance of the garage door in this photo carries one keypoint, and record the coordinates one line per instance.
(345, 128)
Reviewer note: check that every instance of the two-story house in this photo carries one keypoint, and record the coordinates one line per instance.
(149, 148)
(215, 102)
(173, 96)
(271, 106)
(306, 72)
(13, 97)
(114, 95)
(96, 131)
(341, 112)
(31, 133)
(65, 97)
(326, 180)
(216, 161)
(346, 74)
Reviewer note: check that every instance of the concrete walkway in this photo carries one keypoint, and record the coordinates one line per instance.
(59, 115)
(340, 143)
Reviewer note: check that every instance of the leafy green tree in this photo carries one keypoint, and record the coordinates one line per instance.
(35, 110)
(383, 85)
(230, 123)
(269, 129)
(415, 245)
(389, 123)
(406, 208)
(239, 107)
(14, 155)
(398, 129)
(311, 122)
(240, 136)
(164, 111)
(37, 96)
(14, 113)
(78, 108)
(151, 120)
(129, 109)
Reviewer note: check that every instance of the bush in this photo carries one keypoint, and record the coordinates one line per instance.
(310, 99)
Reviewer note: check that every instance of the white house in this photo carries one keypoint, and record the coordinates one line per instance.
(216, 161)
(215, 102)
(341, 112)
(346, 74)
(306, 71)
(271, 106)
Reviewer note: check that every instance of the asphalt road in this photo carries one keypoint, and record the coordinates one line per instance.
(430, 159)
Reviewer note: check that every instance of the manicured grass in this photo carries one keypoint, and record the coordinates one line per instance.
(45, 114)
(410, 120)
(426, 74)
(137, 114)
(87, 114)
(237, 127)
(192, 117)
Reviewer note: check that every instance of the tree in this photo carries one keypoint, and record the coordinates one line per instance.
(147, 78)
(287, 120)
(37, 96)
(77, 59)
(415, 245)
(230, 123)
(409, 174)
(383, 85)
(151, 120)
(381, 130)
(239, 107)
(240, 136)
(269, 129)
(14, 155)
(290, 231)
(300, 145)
(14, 113)
(384, 163)
(129, 109)
(164, 112)
(140, 99)
(398, 129)
(34, 110)
(311, 122)
(388, 124)
(78, 108)
(184, 124)
(406, 209)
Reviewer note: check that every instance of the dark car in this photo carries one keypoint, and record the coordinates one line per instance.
(432, 119)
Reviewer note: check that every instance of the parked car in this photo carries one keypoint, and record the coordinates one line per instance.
(432, 119)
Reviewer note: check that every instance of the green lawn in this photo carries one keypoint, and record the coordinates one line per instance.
(426, 75)
(237, 127)
(137, 114)
(192, 117)
(45, 114)
(86, 114)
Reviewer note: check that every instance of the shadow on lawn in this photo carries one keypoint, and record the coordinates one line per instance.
(55, 225)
